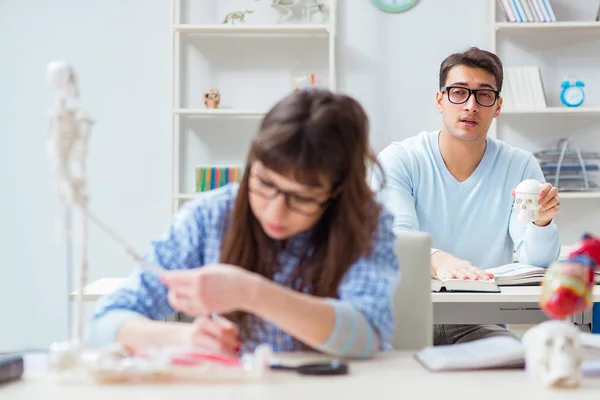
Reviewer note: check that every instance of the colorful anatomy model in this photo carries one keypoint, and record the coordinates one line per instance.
(567, 286)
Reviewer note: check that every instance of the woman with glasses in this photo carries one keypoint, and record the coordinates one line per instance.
(298, 255)
(456, 184)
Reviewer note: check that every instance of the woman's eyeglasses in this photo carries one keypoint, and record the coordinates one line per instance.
(294, 202)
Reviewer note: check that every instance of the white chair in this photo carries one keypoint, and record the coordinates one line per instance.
(412, 305)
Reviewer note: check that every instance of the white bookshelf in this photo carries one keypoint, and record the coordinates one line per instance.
(279, 29)
(250, 63)
(219, 112)
(565, 49)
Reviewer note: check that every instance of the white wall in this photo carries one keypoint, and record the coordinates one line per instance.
(121, 51)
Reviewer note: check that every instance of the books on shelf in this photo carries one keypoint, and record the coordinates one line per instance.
(528, 10)
(213, 177)
(523, 88)
(496, 352)
(513, 274)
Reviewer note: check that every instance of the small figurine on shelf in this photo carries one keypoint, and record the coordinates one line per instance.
(316, 7)
(307, 80)
(285, 8)
(236, 16)
(212, 98)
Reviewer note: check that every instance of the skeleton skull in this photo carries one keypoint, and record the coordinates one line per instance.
(61, 76)
(527, 200)
(212, 98)
(553, 353)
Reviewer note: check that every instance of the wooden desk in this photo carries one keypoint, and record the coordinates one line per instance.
(99, 288)
(389, 376)
(509, 294)
(514, 305)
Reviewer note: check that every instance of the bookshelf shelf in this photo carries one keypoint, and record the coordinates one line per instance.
(214, 29)
(218, 112)
(554, 110)
(200, 61)
(580, 195)
(519, 26)
(185, 196)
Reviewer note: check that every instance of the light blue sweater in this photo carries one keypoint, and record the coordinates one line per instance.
(474, 219)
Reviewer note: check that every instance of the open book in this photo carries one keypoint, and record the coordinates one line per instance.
(513, 274)
(493, 352)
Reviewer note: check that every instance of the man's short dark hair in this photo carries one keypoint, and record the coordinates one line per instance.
(473, 58)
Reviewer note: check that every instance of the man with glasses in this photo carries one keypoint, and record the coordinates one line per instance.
(457, 184)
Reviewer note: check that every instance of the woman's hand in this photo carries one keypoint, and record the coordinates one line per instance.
(214, 288)
(212, 335)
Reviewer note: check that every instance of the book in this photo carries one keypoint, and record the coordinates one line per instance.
(494, 353)
(513, 274)
(463, 285)
(488, 353)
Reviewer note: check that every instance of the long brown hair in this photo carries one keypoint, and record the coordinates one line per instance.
(309, 135)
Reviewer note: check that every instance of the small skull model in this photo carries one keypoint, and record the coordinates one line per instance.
(553, 353)
(527, 200)
(212, 98)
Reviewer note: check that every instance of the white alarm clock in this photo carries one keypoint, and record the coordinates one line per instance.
(572, 94)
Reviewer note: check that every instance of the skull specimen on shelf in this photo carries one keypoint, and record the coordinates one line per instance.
(212, 98)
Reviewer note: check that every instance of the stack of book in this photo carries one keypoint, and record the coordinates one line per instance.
(528, 10)
(209, 178)
(523, 89)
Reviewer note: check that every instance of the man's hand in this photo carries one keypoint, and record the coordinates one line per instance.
(446, 266)
(549, 203)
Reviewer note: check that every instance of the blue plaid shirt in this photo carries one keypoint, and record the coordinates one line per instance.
(194, 239)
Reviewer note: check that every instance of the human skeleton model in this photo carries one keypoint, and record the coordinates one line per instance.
(553, 349)
(68, 137)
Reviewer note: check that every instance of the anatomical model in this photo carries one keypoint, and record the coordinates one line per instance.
(553, 350)
(527, 200)
(68, 138)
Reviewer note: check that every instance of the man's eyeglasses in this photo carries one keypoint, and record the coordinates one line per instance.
(460, 95)
(302, 205)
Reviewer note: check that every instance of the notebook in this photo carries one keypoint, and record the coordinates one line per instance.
(496, 352)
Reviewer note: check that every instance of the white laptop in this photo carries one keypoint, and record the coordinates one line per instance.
(413, 308)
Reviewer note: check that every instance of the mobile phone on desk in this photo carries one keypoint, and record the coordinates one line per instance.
(11, 367)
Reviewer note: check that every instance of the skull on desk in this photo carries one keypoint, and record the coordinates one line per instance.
(553, 353)
(527, 203)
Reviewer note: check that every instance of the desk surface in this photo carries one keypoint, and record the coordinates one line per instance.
(514, 294)
(389, 376)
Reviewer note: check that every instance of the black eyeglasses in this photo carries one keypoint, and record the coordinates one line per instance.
(294, 202)
(460, 95)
